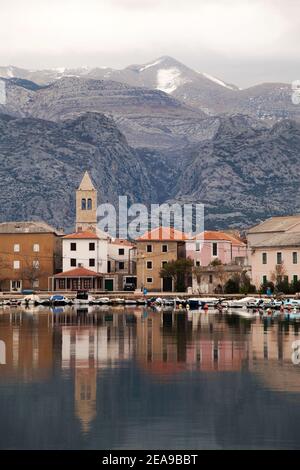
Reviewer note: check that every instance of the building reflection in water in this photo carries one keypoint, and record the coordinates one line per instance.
(83, 343)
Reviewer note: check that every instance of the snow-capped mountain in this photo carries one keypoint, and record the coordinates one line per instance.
(268, 101)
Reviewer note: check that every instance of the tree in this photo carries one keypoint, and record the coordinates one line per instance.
(179, 270)
(219, 272)
(4, 265)
(31, 272)
(278, 274)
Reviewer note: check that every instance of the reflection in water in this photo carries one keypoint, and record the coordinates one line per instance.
(126, 378)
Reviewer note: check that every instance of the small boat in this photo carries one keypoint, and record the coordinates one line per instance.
(249, 302)
(245, 313)
(130, 302)
(31, 299)
(102, 300)
(294, 315)
(169, 302)
(291, 303)
(194, 303)
(83, 298)
(58, 299)
(117, 301)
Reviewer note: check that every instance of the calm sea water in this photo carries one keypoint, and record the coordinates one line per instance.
(137, 379)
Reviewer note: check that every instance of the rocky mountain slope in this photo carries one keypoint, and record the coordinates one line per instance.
(42, 163)
(148, 118)
(150, 144)
(244, 174)
(267, 101)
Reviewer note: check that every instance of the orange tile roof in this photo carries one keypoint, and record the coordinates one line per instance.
(216, 235)
(78, 272)
(163, 234)
(121, 241)
(82, 235)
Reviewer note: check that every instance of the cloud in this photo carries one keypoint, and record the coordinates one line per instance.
(75, 32)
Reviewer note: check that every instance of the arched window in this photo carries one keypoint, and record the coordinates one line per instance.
(83, 204)
(89, 204)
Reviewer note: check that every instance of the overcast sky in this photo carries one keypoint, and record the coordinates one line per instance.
(240, 41)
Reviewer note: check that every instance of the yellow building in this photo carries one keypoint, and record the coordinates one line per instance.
(154, 249)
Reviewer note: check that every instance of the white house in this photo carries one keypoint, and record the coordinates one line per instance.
(86, 250)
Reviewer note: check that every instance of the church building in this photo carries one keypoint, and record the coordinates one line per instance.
(85, 251)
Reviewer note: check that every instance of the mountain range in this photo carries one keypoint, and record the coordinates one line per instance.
(156, 132)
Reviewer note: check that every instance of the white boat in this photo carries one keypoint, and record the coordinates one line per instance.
(102, 300)
(117, 301)
(31, 299)
(240, 303)
(291, 303)
(58, 299)
(83, 298)
(245, 313)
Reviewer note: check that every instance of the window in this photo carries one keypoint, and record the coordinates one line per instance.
(264, 258)
(279, 258)
(36, 283)
(215, 249)
(164, 248)
(149, 280)
(197, 246)
(210, 278)
(163, 263)
(265, 279)
(121, 265)
(36, 264)
(36, 247)
(295, 278)
(149, 248)
(16, 285)
(16, 264)
(73, 247)
(198, 264)
(295, 257)
(83, 204)
(92, 246)
(89, 204)
(149, 264)
(92, 262)
(121, 251)
(73, 262)
(16, 247)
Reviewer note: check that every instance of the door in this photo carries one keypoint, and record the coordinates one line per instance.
(16, 286)
(109, 284)
(167, 284)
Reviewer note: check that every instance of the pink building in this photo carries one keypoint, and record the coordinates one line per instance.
(210, 245)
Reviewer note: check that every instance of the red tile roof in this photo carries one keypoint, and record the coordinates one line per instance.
(216, 235)
(121, 241)
(82, 235)
(163, 234)
(78, 272)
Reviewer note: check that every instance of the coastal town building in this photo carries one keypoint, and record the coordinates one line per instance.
(217, 257)
(155, 248)
(274, 250)
(86, 205)
(85, 252)
(122, 261)
(208, 246)
(30, 253)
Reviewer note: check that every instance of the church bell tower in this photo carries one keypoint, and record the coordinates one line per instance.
(86, 205)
